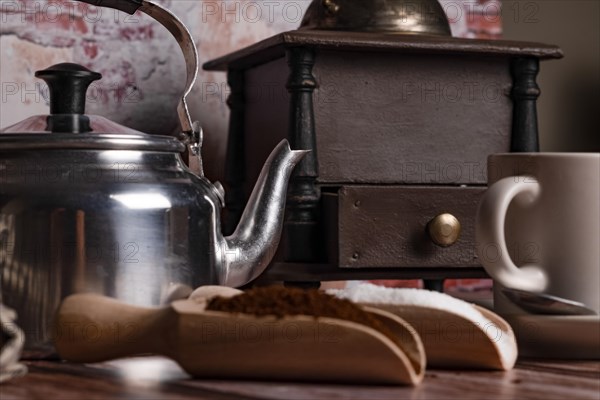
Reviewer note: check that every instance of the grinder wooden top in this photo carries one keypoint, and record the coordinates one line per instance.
(274, 47)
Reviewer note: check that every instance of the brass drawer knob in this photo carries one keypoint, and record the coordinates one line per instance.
(444, 230)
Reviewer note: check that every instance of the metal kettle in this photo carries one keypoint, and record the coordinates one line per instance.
(87, 205)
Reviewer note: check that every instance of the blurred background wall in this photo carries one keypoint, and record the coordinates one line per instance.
(569, 106)
(141, 64)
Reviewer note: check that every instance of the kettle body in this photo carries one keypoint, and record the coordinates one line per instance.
(136, 225)
(127, 224)
(88, 205)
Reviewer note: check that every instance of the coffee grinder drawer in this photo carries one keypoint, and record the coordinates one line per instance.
(401, 226)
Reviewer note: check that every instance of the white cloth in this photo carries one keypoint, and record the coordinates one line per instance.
(11, 350)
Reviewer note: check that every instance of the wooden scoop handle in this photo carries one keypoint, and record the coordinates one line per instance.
(92, 328)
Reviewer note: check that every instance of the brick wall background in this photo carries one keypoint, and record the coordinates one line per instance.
(143, 71)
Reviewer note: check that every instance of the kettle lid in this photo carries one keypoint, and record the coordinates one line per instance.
(67, 126)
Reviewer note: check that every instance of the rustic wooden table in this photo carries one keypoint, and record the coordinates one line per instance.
(159, 378)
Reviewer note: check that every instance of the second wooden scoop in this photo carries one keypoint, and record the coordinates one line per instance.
(91, 328)
(454, 341)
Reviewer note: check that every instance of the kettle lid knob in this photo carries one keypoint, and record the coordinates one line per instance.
(68, 84)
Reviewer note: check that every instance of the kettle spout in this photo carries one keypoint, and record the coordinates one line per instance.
(252, 246)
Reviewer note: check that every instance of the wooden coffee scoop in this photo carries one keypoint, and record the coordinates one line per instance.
(91, 328)
(453, 341)
(456, 334)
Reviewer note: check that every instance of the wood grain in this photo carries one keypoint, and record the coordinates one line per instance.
(305, 272)
(385, 226)
(273, 47)
(157, 378)
(410, 118)
(409, 110)
(217, 344)
(453, 341)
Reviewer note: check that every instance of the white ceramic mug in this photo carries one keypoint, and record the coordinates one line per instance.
(538, 226)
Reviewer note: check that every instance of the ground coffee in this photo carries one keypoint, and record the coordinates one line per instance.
(281, 302)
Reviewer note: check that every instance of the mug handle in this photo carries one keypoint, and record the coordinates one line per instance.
(491, 217)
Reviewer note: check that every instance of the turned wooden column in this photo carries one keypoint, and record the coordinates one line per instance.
(235, 161)
(525, 93)
(301, 239)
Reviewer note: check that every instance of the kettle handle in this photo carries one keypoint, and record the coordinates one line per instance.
(128, 6)
(183, 36)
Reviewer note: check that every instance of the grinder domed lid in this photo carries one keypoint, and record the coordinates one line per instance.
(425, 17)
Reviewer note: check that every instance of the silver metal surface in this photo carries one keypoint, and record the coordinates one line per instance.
(65, 141)
(254, 243)
(538, 303)
(391, 16)
(128, 224)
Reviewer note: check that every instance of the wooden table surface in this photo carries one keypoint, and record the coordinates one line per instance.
(159, 378)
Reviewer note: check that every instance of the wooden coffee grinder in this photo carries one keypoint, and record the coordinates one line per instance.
(400, 118)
